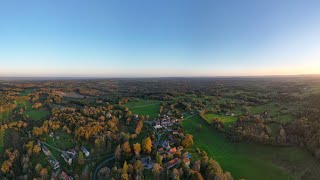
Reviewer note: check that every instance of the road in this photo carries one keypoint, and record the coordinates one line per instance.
(96, 171)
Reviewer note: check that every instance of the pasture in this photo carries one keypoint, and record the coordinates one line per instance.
(144, 107)
(227, 120)
(252, 161)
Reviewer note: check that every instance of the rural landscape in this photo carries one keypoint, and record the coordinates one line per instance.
(159, 90)
(161, 128)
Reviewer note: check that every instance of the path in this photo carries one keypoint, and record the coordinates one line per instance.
(96, 171)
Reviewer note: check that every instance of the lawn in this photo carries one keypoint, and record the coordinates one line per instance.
(252, 161)
(65, 141)
(228, 120)
(37, 114)
(144, 107)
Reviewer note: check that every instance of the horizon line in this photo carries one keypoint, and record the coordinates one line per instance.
(12, 78)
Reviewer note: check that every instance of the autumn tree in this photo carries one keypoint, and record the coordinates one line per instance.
(137, 149)
(147, 145)
(156, 170)
(188, 141)
(117, 153)
(138, 167)
(126, 148)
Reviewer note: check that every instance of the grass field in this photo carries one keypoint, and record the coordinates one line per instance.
(228, 120)
(26, 92)
(37, 114)
(275, 111)
(144, 107)
(4, 116)
(65, 141)
(252, 161)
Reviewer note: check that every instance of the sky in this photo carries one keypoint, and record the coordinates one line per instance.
(159, 38)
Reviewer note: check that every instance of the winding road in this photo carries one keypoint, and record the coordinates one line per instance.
(96, 171)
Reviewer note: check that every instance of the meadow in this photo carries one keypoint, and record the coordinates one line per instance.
(252, 161)
(36, 114)
(144, 107)
(227, 120)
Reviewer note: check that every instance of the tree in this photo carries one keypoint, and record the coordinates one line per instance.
(137, 148)
(81, 158)
(156, 171)
(138, 167)
(197, 176)
(44, 173)
(159, 159)
(197, 166)
(124, 175)
(117, 153)
(175, 174)
(199, 127)
(126, 148)
(125, 167)
(36, 149)
(38, 168)
(188, 141)
(147, 145)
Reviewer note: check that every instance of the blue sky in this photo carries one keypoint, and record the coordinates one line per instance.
(110, 38)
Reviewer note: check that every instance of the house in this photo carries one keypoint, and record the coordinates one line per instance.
(173, 150)
(65, 176)
(147, 163)
(54, 163)
(172, 163)
(72, 153)
(66, 157)
(157, 126)
(186, 161)
(85, 151)
(51, 134)
(175, 132)
(161, 151)
(135, 116)
(166, 145)
(108, 115)
(45, 150)
(187, 155)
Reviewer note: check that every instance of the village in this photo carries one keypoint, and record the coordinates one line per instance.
(167, 129)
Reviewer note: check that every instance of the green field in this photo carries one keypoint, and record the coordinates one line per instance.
(144, 107)
(26, 92)
(65, 141)
(37, 114)
(4, 116)
(275, 111)
(228, 120)
(252, 161)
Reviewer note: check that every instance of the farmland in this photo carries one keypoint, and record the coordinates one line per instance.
(144, 107)
(252, 161)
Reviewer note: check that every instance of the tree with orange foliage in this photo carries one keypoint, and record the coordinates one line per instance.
(126, 148)
(147, 145)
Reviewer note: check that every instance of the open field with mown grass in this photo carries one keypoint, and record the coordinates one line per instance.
(252, 161)
(228, 120)
(144, 107)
